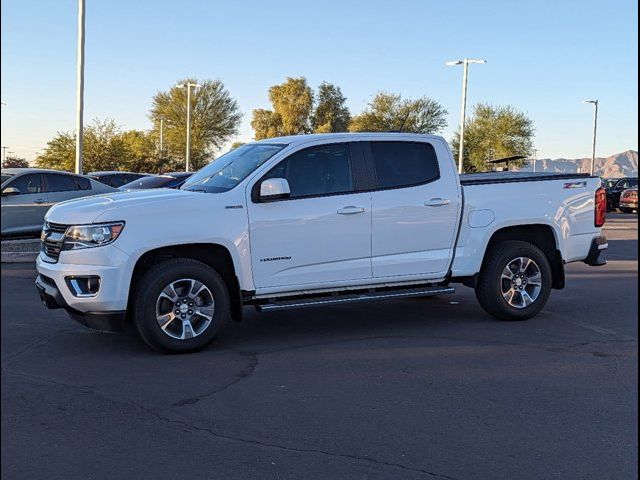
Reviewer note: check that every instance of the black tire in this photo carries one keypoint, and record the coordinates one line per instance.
(151, 285)
(610, 205)
(626, 210)
(489, 288)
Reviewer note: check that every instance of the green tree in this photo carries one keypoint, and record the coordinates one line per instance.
(103, 149)
(215, 118)
(15, 162)
(266, 124)
(292, 103)
(60, 152)
(331, 113)
(106, 147)
(494, 132)
(235, 145)
(141, 152)
(390, 112)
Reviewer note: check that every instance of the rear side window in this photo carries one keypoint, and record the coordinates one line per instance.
(314, 171)
(83, 183)
(57, 182)
(403, 164)
(31, 183)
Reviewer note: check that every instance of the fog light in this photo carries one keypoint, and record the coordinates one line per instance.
(85, 286)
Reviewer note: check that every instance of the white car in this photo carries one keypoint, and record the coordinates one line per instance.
(315, 220)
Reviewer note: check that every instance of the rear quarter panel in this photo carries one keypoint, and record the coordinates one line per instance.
(491, 207)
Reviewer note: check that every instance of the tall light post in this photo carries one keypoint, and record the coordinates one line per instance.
(465, 62)
(161, 137)
(80, 87)
(595, 128)
(188, 86)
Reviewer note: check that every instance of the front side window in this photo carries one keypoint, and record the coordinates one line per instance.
(229, 170)
(323, 170)
(31, 183)
(57, 182)
(404, 164)
(6, 177)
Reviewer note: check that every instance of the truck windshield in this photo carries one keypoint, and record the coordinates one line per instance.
(229, 170)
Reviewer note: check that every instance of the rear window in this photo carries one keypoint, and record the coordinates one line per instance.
(404, 164)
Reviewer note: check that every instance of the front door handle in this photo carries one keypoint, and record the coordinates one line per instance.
(350, 210)
(38, 201)
(437, 202)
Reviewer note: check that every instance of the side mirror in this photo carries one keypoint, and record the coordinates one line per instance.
(274, 189)
(11, 191)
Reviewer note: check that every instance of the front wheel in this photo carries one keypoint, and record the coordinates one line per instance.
(515, 281)
(180, 306)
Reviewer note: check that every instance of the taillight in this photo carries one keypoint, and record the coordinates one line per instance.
(601, 207)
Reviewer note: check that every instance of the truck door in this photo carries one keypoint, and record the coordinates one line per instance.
(415, 208)
(321, 233)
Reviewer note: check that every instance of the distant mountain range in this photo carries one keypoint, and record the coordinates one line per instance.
(623, 164)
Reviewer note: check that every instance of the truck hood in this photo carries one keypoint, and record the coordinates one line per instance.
(90, 209)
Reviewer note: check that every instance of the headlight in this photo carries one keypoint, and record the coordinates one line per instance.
(88, 236)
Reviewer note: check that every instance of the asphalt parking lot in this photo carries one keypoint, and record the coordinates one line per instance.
(414, 388)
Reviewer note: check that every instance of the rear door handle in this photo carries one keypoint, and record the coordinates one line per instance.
(39, 200)
(350, 210)
(437, 202)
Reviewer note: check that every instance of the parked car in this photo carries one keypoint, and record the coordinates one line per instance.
(27, 194)
(115, 179)
(316, 220)
(615, 189)
(167, 180)
(629, 200)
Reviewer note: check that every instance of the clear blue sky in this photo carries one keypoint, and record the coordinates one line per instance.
(544, 57)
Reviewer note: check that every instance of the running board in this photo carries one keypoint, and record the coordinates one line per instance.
(352, 297)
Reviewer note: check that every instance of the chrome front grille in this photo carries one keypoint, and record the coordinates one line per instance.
(52, 238)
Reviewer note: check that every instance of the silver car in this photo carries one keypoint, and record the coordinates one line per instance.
(27, 194)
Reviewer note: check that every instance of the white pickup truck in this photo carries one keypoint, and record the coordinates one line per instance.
(315, 220)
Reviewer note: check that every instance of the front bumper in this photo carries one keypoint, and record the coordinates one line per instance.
(52, 298)
(596, 256)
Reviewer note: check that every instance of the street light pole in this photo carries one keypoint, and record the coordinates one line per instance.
(80, 87)
(465, 63)
(188, 85)
(161, 137)
(595, 128)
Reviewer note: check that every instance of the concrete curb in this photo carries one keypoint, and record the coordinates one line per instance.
(20, 251)
(19, 257)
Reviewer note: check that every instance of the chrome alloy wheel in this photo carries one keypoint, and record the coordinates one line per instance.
(521, 282)
(185, 308)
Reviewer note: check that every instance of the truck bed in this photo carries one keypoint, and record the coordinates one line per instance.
(511, 177)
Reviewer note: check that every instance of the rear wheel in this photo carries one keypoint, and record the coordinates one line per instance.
(515, 281)
(181, 305)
